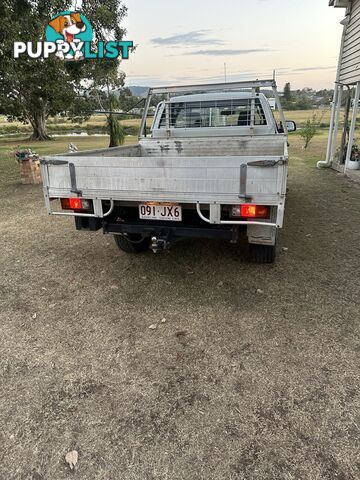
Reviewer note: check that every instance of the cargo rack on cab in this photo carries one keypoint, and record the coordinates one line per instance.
(254, 85)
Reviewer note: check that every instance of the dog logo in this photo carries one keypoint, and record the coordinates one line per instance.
(74, 29)
(70, 36)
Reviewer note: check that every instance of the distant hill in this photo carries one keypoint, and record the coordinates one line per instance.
(139, 91)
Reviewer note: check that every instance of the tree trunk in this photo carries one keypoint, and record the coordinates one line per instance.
(38, 123)
(116, 132)
(112, 142)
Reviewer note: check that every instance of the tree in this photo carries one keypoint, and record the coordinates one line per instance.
(127, 100)
(309, 130)
(33, 89)
(287, 92)
(155, 99)
(326, 96)
(106, 80)
(116, 132)
(35, 101)
(303, 103)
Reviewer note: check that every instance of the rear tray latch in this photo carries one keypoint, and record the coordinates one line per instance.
(243, 180)
(74, 188)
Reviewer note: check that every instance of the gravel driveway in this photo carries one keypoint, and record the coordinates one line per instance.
(251, 373)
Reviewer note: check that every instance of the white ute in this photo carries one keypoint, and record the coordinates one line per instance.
(214, 165)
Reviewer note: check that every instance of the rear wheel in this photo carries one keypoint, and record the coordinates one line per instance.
(132, 243)
(262, 253)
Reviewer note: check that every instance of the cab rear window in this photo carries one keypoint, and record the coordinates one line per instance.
(224, 113)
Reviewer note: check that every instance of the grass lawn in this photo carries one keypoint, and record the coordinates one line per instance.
(96, 124)
(301, 116)
(61, 125)
(57, 144)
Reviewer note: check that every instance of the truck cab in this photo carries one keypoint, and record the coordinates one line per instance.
(217, 114)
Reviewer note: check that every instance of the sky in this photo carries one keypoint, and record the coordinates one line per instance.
(188, 41)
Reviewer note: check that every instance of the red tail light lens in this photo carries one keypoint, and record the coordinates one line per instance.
(75, 204)
(251, 211)
(255, 211)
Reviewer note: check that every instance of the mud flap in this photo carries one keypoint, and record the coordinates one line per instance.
(261, 235)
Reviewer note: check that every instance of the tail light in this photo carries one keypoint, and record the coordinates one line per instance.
(75, 204)
(250, 211)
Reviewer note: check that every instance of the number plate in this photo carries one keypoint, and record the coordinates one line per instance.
(160, 211)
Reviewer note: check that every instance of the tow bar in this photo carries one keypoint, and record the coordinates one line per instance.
(159, 244)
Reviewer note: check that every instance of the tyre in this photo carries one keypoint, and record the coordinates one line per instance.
(132, 243)
(262, 253)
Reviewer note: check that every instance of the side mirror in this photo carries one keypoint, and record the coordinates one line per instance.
(291, 126)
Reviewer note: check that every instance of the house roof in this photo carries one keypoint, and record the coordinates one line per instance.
(339, 3)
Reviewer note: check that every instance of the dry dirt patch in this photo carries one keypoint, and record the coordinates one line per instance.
(235, 384)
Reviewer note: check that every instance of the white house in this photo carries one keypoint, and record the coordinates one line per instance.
(348, 76)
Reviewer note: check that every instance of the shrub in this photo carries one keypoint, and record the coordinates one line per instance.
(116, 131)
(310, 129)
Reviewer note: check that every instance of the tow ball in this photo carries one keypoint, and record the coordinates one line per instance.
(159, 244)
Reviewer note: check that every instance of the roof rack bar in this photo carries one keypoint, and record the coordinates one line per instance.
(214, 87)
